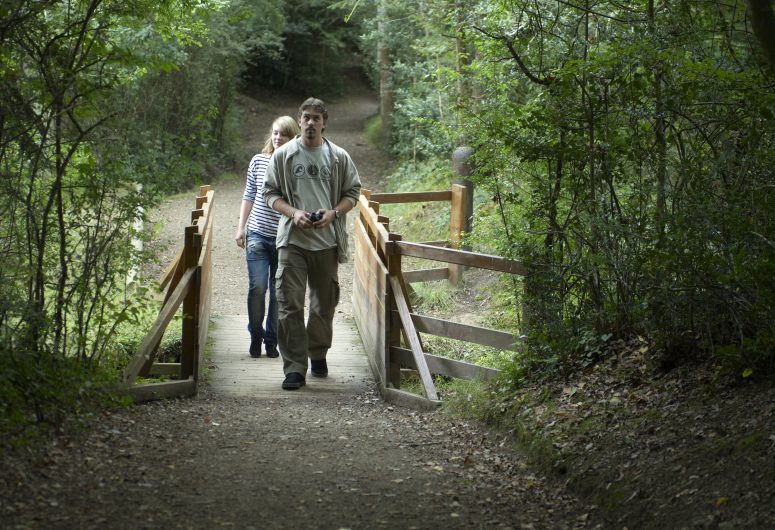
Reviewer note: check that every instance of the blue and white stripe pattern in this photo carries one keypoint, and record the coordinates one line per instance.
(262, 218)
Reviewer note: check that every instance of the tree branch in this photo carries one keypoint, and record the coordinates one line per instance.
(514, 55)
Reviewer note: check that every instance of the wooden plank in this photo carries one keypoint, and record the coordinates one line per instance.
(369, 299)
(205, 286)
(162, 390)
(461, 257)
(412, 196)
(207, 208)
(474, 334)
(394, 269)
(237, 374)
(159, 326)
(168, 273)
(425, 275)
(375, 227)
(449, 367)
(408, 400)
(412, 337)
(174, 279)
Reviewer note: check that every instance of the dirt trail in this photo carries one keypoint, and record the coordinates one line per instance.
(212, 461)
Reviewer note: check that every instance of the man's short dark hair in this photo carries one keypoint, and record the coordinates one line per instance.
(316, 105)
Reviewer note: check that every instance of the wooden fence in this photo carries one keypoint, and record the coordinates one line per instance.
(381, 303)
(187, 281)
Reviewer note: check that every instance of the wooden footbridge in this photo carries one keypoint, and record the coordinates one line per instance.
(372, 346)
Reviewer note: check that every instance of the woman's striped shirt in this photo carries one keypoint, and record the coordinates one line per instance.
(262, 218)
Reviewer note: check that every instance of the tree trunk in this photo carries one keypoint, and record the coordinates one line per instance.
(763, 22)
(385, 77)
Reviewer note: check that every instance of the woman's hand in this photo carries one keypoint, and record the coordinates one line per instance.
(239, 237)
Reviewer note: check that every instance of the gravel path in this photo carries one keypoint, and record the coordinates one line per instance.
(223, 462)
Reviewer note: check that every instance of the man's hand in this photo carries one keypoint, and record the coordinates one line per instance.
(318, 219)
(326, 218)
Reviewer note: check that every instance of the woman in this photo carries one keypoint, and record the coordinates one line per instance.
(256, 232)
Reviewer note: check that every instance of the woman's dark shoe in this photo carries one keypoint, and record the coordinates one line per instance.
(255, 348)
(271, 351)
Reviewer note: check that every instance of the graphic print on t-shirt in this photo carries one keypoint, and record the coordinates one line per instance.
(311, 164)
(311, 171)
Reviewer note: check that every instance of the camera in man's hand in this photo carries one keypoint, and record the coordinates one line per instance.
(314, 217)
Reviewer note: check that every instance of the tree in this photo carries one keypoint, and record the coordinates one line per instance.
(763, 22)
(68, 193)
(628, 149)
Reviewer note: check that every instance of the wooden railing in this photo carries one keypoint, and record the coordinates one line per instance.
(381, 303)
(187, 280)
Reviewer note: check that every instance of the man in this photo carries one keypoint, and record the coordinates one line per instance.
(313, 183)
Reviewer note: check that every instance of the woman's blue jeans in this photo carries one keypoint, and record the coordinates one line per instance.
(261, 253)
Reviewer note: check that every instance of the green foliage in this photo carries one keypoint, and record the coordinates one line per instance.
(315, 53)
(104, 105)
(433, 296)
(39, 392)
(422, 75)
(419, 221)
(587, 211)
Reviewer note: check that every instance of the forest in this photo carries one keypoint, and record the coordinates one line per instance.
(623, 151)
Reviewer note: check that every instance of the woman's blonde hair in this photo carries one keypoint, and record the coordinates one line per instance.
(287, 127)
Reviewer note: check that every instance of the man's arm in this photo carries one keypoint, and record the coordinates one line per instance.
(298, 216)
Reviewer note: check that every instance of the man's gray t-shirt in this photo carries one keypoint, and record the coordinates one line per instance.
(312, 191)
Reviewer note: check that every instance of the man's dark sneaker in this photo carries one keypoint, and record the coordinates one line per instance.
(271, 351)
(319, 368)
(255, 348)
(293, 381)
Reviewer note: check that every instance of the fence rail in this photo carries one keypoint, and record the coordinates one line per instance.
(188, 283)
(382, 306)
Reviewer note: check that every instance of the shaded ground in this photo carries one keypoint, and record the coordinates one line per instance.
(682, 449)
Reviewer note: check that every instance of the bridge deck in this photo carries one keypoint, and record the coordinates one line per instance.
(231, 371)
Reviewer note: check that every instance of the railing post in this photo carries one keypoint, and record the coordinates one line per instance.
(392, 366)
(461, 165)
(456, 229)
(190, 335)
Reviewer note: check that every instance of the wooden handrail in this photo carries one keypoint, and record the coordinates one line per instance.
(461, 257)
(411, 196)
(383, 284)
(187, 279)
(464, 332)
(159, 326)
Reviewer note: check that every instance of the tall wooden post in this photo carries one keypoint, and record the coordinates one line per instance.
(392, 366)
(190, 333)
(456, 229)
(461, 165)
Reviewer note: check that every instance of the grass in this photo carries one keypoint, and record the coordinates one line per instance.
(373, 130)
